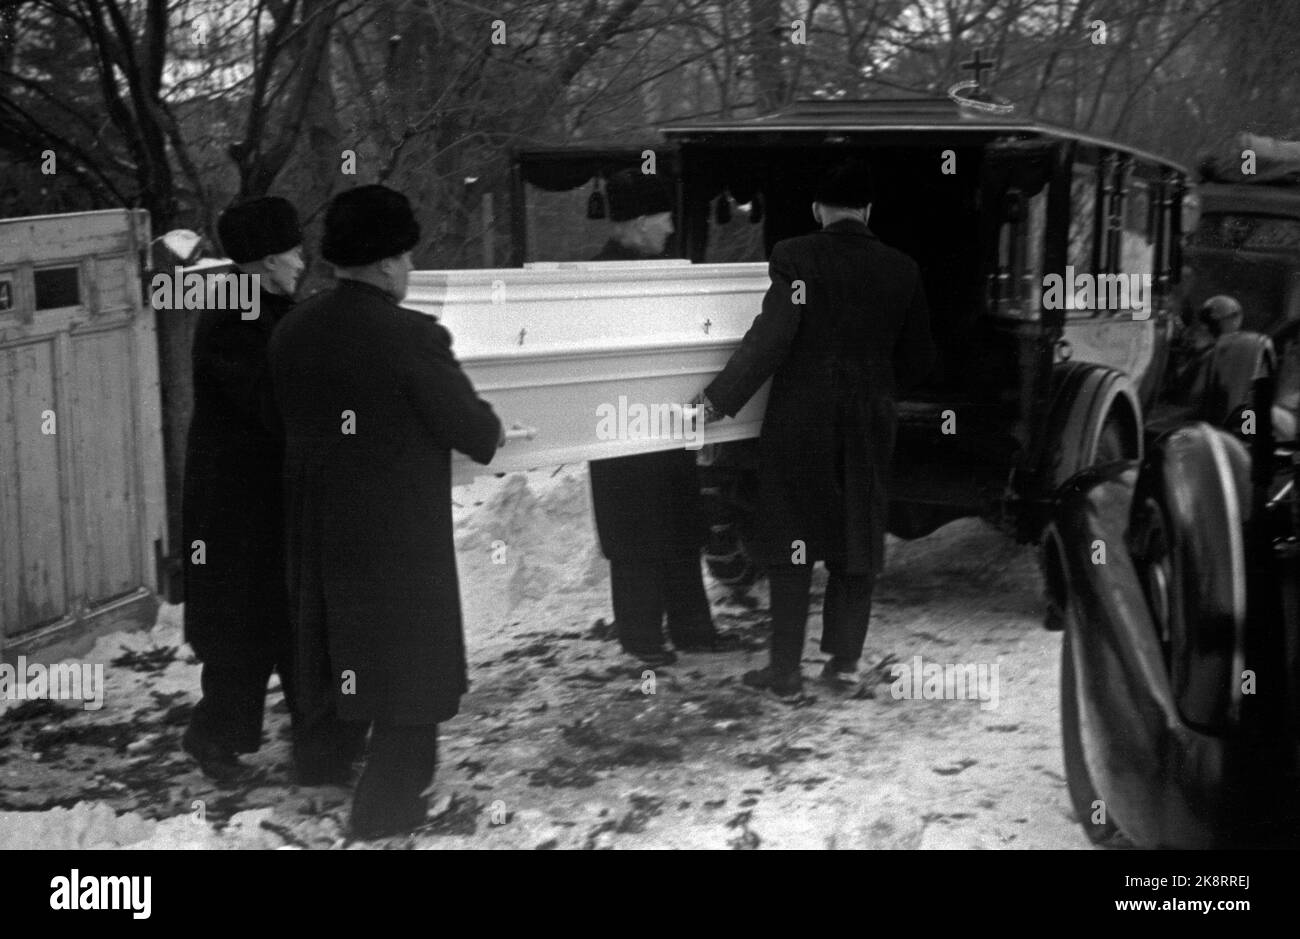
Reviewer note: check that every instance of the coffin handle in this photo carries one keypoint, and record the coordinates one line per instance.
(520, 432)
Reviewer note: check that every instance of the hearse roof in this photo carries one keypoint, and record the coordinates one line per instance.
(882, 115)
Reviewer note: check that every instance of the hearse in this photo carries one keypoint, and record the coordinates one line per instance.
(996, 209)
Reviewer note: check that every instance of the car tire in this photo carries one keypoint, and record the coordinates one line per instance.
(1189, 553)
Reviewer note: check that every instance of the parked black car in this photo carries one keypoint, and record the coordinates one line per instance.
(1179, 581)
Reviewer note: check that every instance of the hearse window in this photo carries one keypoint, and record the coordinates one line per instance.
(1017, 285)
(1036, 236)
(733, 237)
(57, 287)
(1083, 218)
(1138, 242)
(558, 227)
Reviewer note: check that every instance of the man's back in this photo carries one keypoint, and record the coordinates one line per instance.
(863, 303)
(839, 297)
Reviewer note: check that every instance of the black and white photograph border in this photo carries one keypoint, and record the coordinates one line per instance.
(642, 424)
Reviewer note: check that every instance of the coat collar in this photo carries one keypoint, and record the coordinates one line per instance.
(346, 283)
(849, 226)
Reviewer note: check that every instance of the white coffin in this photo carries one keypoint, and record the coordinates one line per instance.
(554, 347)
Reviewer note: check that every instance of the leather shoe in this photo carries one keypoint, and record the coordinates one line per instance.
(781, 684)
(842, 676)
(217, 762)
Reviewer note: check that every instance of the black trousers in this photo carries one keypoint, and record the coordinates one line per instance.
(399, 767)
(233, 705)
(845, 615)
(645, 591)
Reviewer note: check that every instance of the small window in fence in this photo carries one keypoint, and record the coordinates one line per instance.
(57, 287)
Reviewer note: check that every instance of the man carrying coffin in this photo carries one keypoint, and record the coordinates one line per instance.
(236, 612)
(843, 326)
(648, 509)
(373, 402)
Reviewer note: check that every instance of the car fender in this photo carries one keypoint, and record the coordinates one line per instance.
(1160, 749)
(1157, 778)
(1084, 397)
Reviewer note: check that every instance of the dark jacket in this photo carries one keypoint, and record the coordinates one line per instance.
(235, 605)
(835, 361)
(648, 506)
(372, 567)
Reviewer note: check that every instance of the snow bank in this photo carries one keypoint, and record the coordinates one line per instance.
(528, 549)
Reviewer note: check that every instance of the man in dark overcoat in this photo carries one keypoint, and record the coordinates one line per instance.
(236, 613)
(648, 509)
(373, 402)
(844, 325)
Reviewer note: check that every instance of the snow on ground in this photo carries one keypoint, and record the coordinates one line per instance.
(558, 745)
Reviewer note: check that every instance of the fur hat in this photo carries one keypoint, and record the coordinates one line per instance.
(251, 230)
(632, 194)
(847, 185)
(368, 224)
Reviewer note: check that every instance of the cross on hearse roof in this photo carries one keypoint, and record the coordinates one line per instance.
(978, 64)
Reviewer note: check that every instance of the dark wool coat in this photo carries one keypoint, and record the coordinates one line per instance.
(835, 361)
(235, 604)
(647, 507)
(372, 566)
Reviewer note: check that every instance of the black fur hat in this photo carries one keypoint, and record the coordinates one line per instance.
(251, 230)
(632, 194)
(847, 185)
(368, 224)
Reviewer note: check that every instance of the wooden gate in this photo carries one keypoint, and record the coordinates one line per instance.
(82, 505)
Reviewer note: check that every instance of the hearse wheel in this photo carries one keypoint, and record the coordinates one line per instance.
(1084, 799)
